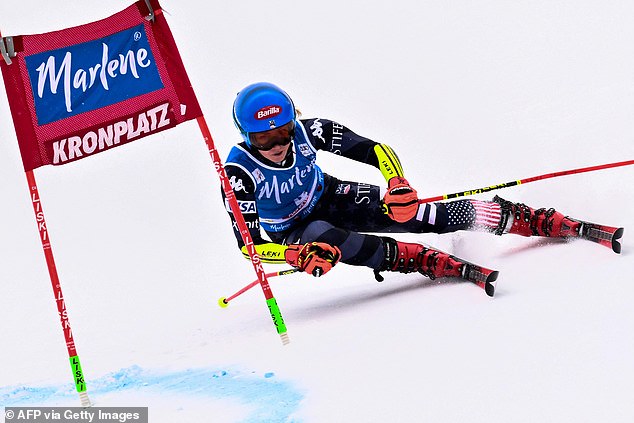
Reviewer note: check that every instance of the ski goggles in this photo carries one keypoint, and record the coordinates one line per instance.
(265, 141)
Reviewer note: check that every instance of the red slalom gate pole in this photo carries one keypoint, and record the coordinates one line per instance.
(75, 364)
(274, 309)
(224, 301)
(525, 181)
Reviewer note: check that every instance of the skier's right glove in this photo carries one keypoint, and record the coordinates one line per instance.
(316, 258)
(400, 201)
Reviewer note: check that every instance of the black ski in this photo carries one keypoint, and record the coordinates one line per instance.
(481, 276)
(607, 236)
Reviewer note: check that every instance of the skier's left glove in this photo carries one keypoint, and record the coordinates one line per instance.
(316, 258)
(401, 200)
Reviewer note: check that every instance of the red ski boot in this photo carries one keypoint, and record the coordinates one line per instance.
(408, 257)
(518, 218)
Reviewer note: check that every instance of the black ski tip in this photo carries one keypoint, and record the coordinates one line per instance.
(489, 286)
(616, 245)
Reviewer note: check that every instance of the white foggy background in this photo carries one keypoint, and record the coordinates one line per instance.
(469, 94)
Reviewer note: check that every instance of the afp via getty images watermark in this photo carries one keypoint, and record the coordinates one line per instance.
(76, 414)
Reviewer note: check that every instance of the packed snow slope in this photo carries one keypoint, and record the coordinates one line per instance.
(469, 94)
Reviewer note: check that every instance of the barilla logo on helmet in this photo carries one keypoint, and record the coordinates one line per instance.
(268, 112)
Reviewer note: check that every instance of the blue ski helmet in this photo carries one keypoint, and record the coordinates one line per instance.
(261, 107)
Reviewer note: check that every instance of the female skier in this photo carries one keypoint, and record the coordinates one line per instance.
(315, 220)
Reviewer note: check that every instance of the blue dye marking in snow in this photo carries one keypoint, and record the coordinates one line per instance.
(271, 400)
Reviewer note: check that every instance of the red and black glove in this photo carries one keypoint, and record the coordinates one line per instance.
(401, 200)
(316, 258)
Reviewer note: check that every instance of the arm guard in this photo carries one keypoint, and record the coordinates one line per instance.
(269, 252)
(389, 164)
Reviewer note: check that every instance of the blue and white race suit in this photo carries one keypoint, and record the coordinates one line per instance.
(296, 202)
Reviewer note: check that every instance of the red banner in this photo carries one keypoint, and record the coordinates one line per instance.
(83, 90)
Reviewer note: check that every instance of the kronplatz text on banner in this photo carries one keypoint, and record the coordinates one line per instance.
(83, 90)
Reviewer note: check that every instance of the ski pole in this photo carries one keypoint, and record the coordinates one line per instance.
(524, 181)
(224, 301)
